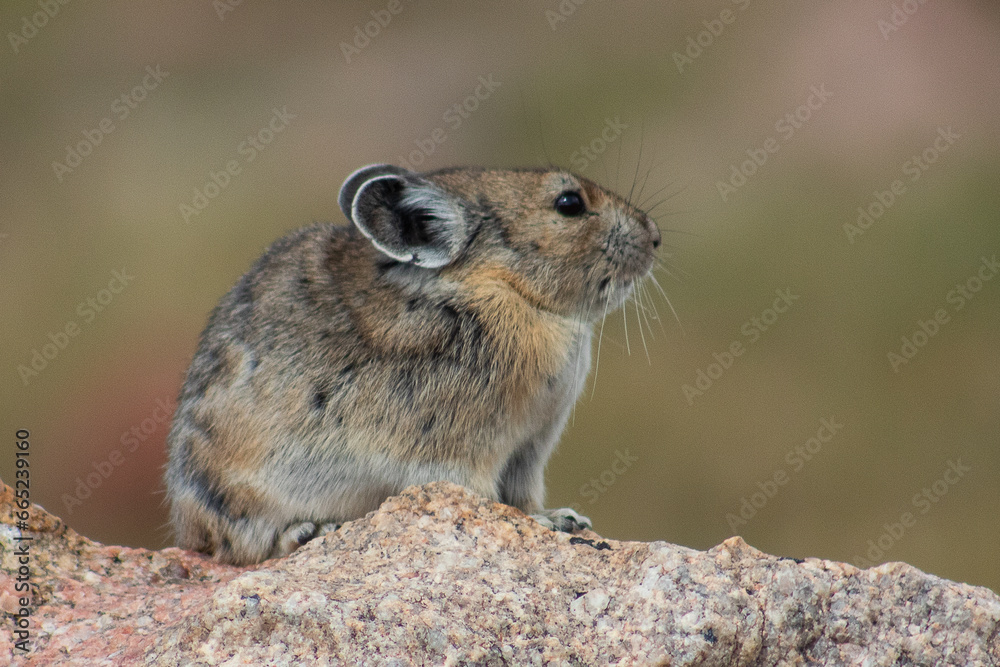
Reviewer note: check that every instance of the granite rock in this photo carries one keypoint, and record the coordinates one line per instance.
(440, 576)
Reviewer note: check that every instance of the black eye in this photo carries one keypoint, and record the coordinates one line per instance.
(570, 203)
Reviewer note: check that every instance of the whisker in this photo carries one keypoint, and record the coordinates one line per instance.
(600, 339)
(667, 230)
(638, 163)
(667, 298)
(653, 164)
(661, 202)
(670, 255)
(665, 269)
(642, 309)
(638, 319)
(643, 300)
(680, 270)
(643, 202)
(645, 181)
(649, 208)
(618, 166)
(583, 323)
(656, 311)
(625, 318)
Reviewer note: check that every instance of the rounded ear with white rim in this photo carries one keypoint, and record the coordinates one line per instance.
(354, 182)
(404, 215)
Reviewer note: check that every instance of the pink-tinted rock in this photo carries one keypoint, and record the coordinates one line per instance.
(440, 576)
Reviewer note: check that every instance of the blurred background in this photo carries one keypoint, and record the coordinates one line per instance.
(843, 154)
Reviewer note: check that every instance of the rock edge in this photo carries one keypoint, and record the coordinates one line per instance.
(440, 576)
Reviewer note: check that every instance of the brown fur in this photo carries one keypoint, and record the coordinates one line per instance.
(332, 375)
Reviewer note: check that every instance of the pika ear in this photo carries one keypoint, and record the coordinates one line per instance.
(354, 182)
(404, 215)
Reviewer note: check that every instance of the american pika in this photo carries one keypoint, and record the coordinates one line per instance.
(444, 335)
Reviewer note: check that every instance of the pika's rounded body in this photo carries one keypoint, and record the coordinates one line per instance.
(445, 335)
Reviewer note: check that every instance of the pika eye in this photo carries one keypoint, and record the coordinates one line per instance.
(570, 203)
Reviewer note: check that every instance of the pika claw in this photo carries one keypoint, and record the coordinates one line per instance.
(326, 528)
(295, 536)
(563, 520)
(299, 533)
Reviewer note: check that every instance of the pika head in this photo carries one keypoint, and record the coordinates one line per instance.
(444, 335)
(560, 240)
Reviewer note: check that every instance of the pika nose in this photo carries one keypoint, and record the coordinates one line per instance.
(655, 232)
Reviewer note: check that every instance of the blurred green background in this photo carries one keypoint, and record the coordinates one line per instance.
(698, 85)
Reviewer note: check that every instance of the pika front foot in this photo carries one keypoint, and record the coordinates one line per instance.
(564, 520)
(298, 534)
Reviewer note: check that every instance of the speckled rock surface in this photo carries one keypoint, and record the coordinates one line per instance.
(439, 576)
(92, 604)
